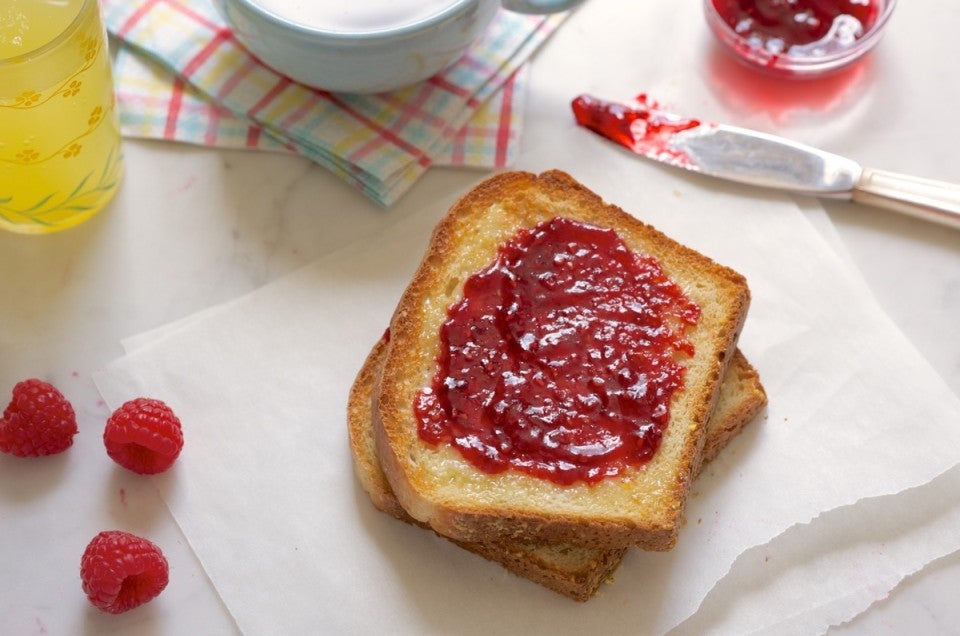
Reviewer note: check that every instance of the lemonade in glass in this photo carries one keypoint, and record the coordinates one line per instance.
(60, 151)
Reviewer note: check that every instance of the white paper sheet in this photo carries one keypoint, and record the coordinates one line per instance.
(826, 572)
(265, 493)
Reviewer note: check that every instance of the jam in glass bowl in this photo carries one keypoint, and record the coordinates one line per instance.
(798, 38)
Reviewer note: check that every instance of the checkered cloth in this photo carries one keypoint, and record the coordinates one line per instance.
(182, 75)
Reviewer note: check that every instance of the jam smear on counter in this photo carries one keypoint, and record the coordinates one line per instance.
(561, 358)
(643, 127)
(778, 25)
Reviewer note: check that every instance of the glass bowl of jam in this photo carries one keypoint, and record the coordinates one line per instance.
(798, 38)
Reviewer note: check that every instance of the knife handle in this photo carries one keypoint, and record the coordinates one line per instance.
(926, 199)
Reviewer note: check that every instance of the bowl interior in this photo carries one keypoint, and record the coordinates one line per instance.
(354, 21)
(832, 53)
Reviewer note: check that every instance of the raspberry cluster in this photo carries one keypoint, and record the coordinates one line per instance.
(119, 570)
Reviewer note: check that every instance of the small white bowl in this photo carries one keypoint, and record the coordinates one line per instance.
(366, 60)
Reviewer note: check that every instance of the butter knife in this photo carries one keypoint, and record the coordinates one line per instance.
(759, 159)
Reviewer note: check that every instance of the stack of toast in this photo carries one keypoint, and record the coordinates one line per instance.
(567, 537)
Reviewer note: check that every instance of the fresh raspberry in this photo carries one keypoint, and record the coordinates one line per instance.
(121, 571)
(144, 436)
(38, 421)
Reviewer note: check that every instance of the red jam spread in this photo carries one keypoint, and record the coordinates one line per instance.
(642, 127)
(561, 358)
(778, 25)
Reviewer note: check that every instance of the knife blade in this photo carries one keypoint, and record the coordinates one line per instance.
(763, 160)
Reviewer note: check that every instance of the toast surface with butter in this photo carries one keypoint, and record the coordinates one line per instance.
(572, 570)
(435, 485)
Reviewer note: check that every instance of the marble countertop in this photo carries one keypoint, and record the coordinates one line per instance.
(193, 227)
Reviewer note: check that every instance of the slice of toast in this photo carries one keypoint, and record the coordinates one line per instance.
(572, 570)
(436, 485)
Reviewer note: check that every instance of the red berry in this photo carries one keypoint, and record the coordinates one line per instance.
(121, 571)
(38, 421)
(144, 436)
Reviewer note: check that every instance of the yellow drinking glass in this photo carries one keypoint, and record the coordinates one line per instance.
(60, 154)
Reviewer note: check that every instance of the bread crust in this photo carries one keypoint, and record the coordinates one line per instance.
(741, 399)
(574, 571)
(435, 486)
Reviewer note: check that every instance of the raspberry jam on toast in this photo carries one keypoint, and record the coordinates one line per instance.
(560, 360)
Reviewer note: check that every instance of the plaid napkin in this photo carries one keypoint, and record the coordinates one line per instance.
(182, 75)
(156, 104)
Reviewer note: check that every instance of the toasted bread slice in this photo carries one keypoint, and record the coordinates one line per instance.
(435, 485)
(572, 570)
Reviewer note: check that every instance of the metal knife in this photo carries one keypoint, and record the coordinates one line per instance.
(760, 159)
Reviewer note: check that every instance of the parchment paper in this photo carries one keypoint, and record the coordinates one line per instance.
(264, 489)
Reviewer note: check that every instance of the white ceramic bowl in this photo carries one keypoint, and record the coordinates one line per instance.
(366, 60)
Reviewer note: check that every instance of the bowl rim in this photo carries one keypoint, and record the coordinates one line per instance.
(783, 62)
(451, 11)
